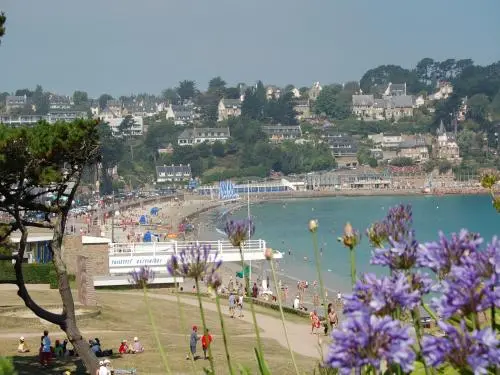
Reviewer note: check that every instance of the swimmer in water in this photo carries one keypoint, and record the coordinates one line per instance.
(305, 259)
(321, 251)
(289, 252)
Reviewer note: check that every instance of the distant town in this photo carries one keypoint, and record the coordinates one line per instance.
(441, 118)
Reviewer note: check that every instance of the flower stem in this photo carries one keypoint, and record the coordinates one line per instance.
(429, 311)
(418, 330)
(203, 321)
(254, 318)
(353, 265)
(245, 275)
(155, 331)
(318, 270)
(224, 337)
(183, 323)
(278, 292)
(493, 322)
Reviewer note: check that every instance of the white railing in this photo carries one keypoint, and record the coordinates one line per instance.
(173, 247)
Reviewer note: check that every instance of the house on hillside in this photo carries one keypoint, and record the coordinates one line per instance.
(192, 137)
(59, 102)
(444, 91)
(65, 115)
(280, 133)
(395, 89)
(180, 114)
(273, 92)
(173, 173)
(303, 109)
(386, 141)
(13, 102)
(446, 146)
(115, 106)
(314, 91)
(342, 144)
(229, 108)
(136, 125)
(415, 148)
(391, 107)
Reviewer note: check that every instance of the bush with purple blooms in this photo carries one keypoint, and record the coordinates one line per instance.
(374, 336)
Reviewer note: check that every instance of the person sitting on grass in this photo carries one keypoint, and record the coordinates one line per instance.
(124, 349)
(22, 347)
(137, 346)
(206, 341)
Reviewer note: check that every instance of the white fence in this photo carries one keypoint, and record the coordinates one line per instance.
(127, 257)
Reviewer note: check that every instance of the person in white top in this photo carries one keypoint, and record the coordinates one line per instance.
(103, 370)
(296, 303)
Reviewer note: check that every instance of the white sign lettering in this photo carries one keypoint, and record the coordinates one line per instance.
(137, 261)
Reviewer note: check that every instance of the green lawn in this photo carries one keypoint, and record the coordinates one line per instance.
(125, 316)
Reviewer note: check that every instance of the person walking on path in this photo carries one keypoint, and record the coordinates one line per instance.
(206, 341)
(240, 306)
(232, 304)
(46, 353)
(193, 341)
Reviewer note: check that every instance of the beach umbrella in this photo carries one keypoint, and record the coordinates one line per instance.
(143, 220)
(147, 236)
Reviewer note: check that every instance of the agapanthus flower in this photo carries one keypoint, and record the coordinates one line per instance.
(396, 225)
(464, 291)
(238, 231)
(442, 255)
(382, 296)
(214, 280)
(142, 276)
(476, 350)
(397, 255)
(195, 261)
(351, 237)
(369, 340)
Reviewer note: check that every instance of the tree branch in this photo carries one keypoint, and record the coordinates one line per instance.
(7, 257)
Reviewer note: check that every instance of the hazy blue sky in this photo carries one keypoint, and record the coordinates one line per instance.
(125, 46)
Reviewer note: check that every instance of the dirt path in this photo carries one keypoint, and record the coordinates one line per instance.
(301, 340)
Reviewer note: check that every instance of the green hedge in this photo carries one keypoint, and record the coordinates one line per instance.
(33, 273)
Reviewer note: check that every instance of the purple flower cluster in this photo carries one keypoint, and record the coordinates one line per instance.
(383, 296)
(238, 231)
(142, 276)
(368, 340)
(442, 255)
(195, 262)
(464, 291)
(393, 239)
(476, 350)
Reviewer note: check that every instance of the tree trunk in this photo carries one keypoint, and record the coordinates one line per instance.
(69, 325)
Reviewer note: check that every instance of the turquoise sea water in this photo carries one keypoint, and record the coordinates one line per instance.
(284, 226)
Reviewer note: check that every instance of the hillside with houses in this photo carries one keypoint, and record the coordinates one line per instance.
(440, 117)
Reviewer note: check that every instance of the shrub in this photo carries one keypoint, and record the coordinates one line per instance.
(34, 273)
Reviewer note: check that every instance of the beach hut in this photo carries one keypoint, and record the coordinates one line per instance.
(143, 220)
(147, 236)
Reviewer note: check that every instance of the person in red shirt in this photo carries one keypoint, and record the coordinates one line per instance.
(124, 348)
(206, 340)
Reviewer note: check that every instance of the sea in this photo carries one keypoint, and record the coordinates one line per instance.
(284, 227)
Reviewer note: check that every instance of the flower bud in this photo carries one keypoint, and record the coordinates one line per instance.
(313, 225)
(268, 253)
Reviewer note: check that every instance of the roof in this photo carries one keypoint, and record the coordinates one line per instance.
(114, 103)
(413, 142)
(362, 100)
(231, 102)
(173, 169)
(197, 132)
(282, 129)
(397, 87)
(402, 101)
(16, 99)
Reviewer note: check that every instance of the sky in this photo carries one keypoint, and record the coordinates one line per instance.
(131, 46)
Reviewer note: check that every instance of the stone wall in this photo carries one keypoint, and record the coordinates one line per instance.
(97, 254)
(85, 282)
